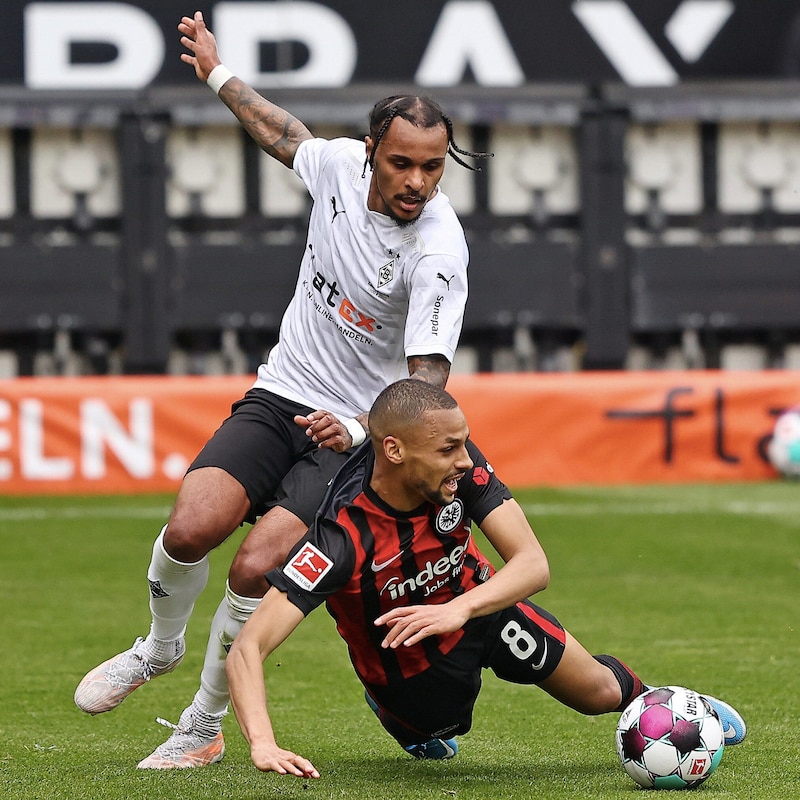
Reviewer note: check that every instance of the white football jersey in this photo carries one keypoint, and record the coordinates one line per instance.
(370, 292)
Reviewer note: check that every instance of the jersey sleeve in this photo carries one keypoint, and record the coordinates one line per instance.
(436, 302)
(311, 157)
(480, 489)
(320, 564)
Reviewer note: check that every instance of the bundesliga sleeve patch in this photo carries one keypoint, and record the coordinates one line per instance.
(308, 567)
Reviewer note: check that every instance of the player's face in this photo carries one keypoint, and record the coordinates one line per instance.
(409, 162)
(436, 457)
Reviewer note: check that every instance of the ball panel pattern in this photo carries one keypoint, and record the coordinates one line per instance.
(669, 738)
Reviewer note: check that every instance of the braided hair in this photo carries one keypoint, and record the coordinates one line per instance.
(423, 112)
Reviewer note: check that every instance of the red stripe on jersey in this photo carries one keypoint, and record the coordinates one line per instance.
(385, 535)
(544, 623)
(355, 617)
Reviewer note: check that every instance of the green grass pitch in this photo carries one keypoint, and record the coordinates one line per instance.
(690, 585)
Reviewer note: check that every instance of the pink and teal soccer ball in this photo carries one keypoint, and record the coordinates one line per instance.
(669, 738)
(783, 449)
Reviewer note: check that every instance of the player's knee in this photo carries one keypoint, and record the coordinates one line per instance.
(604, 696)
(183, 542)
(192, 534)
(265, 547)
(246, 575)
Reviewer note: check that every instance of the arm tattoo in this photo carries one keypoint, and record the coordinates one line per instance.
(273, 129)
(434, 369)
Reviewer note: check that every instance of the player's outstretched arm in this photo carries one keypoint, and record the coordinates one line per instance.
(274, 129)
(271, 623)
(526, 570)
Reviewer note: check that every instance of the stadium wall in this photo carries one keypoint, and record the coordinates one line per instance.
(641, 212)
(97, 435)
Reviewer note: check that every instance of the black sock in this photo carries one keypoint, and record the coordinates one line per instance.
(629, 682)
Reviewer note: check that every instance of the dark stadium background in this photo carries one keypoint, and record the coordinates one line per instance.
(597, 272)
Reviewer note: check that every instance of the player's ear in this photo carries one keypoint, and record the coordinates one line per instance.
(370, 144)
(393, 450)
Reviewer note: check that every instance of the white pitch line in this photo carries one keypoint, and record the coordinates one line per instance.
(758, 509)
(76, 512)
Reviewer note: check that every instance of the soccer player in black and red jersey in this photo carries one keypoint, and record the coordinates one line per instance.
(420, 607)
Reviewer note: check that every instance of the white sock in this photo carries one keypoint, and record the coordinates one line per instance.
(174, 587)
(234, 610)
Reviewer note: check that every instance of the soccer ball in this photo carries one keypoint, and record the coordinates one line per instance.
(784, 447)
(669, 738)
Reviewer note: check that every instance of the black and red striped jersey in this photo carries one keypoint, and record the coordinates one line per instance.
(362, 558)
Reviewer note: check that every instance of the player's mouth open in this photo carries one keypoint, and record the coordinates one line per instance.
(451, 484)
(410, 203)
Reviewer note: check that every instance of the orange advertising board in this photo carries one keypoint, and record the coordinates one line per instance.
(107, 434)
(138, 434)
(627, 427)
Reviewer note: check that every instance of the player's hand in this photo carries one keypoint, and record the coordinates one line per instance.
(325, 429)
(411, 624)
(202, 44)
(271, 758)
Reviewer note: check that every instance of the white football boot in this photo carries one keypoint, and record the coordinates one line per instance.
(108, 684)
(196, 741)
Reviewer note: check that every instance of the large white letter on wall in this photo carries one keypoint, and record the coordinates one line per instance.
(241, 27)
(100, 428)
(50, 29)
(469, 33)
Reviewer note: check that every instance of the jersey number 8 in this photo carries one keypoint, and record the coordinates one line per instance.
(521, 644)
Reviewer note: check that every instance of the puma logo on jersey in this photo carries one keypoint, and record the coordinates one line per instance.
(336, 211)
(446, 280)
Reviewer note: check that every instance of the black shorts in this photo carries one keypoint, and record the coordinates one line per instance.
(521, 644)
(261, 446)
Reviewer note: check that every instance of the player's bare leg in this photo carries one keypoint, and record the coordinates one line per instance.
(264, 548)
(599, 684)
(589, 685)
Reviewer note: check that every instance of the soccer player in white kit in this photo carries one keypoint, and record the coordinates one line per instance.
(380, 295)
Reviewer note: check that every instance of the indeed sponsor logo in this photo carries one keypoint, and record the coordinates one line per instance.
(430, 576)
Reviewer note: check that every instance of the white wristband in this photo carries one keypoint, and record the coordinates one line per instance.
(218, 77)
(356, 430)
